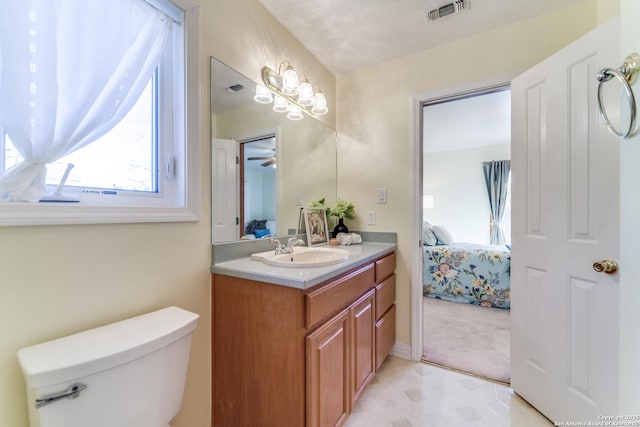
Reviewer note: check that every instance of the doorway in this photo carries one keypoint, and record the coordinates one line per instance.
(465, 252)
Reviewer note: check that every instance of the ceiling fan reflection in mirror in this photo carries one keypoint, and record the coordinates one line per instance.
(269, 160)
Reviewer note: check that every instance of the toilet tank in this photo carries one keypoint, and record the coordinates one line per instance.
(134, 372)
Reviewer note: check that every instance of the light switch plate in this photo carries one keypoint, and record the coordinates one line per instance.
(371, 218)
(381, 195)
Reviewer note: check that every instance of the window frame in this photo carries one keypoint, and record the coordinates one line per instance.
(178, 119)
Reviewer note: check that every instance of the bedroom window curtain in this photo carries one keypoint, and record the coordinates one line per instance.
(69, 72)
(496, 177)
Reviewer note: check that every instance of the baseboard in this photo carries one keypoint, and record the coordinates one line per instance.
(401, 350)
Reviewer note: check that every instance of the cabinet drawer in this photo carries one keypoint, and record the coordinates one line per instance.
(385, 335)
(385, 295)
(337, 295)
(385, 267)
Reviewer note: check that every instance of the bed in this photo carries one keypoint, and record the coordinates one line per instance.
(467, 273)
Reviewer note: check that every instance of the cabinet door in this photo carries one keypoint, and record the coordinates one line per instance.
(362, 318)
(328, 396)
(385, 335)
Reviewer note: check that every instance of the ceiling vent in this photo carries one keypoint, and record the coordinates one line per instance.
(235, 88)
(447, 9)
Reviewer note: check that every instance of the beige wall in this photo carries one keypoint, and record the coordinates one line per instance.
(374, 114)
(456, 181)
(57, 280)
(607, 9)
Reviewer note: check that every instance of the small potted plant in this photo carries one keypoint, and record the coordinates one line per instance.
(343, 209)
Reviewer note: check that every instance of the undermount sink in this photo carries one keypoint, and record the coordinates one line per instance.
(303, 257)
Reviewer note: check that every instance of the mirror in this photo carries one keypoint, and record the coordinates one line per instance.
(283, 164)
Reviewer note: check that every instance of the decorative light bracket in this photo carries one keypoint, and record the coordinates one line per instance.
(273, 81)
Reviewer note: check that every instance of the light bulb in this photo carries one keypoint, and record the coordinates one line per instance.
(280, 105)
(319, 104)
(294, 113)
(305, 94)
(290, 82)
(263, 95)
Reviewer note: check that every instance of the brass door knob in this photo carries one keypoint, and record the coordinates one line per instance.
(606, 266)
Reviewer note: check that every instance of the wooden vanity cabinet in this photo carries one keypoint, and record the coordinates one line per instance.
(289, 357)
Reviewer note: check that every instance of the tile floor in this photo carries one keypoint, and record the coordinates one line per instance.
(413, 394)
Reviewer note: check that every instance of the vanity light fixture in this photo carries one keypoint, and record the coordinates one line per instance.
(294, 93)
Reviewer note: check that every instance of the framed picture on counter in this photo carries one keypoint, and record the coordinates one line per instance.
(315, 223)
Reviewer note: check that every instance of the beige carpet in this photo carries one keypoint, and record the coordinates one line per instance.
(467, 337)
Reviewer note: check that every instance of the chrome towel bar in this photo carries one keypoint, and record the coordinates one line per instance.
(626, 74)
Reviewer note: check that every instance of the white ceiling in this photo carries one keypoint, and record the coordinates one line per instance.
(349, 34)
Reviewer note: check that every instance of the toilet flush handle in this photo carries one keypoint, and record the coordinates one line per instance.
(70, 393)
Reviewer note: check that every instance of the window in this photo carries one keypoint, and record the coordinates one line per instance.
(146, 167)
(125, 159)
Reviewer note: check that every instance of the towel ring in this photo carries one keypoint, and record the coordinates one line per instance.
(626, 74)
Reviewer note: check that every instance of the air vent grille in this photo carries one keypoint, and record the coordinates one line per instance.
(235, 88)
(447, 9)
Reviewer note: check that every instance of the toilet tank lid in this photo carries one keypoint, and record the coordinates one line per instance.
(102, 348)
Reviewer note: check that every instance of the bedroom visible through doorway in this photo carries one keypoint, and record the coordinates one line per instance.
(466, 232)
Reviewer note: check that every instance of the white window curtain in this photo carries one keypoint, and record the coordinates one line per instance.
(69, 72)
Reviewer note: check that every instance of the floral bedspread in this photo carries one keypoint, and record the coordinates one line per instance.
(469, 273)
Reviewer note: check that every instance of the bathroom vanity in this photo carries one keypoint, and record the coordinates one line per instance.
(297, 346)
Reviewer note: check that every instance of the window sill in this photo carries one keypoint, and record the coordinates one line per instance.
(21, 214)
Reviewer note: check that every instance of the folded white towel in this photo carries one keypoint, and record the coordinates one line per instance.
(349, 238)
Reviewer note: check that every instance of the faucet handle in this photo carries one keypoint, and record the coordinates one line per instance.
(279, 245)
(294, 241)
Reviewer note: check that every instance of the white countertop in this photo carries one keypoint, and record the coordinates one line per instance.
(306, 277)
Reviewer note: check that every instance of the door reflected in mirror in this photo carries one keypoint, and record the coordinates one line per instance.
(265, 167)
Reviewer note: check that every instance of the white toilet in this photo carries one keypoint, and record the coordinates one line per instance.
(126, 374)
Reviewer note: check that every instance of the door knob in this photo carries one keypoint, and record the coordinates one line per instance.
(606, 266)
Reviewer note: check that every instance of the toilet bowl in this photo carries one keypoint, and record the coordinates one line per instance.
(128, 373)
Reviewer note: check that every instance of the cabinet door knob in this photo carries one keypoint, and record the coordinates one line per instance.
(606, 266)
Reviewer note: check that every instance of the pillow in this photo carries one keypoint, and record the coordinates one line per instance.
(428, 238)
(442, 234)
(255, 224)
(261, 233)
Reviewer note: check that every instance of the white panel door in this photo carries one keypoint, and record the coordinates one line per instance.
(565, 217)
(224, 191)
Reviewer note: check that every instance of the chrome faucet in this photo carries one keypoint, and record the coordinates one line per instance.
(281, 248)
